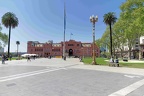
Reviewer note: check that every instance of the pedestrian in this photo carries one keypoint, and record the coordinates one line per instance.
(10, 57)
(34, 57)
(28, 58)
(80, 59)
(3, 59)
(111, 60)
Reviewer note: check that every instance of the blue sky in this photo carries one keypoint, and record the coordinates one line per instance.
(43, 20)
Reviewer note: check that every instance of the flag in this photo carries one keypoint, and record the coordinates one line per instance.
(64, 16)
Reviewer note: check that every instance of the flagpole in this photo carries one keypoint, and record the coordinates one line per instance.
(64, 57)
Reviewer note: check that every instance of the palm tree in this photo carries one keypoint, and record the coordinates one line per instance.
(18, 43)
(110, 19)
(9, 20)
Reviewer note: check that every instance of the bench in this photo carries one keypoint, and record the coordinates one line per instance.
(113, 64)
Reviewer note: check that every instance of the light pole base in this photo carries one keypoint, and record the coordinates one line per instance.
(94, 63)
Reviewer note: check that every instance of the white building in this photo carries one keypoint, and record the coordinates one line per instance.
(135, 49)
(142, 46)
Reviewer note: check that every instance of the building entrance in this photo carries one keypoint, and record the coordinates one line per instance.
(70, 52)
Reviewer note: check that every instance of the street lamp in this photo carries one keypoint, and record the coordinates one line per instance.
(93, 20)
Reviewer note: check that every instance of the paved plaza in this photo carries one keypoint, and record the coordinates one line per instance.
(56, 77)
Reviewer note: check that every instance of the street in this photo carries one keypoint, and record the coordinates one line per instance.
(56, 77)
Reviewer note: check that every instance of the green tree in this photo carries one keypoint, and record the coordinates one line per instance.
(3, 38)
(18, 43)
(132, 14)
(105, 38)
(110, 19)
(9, 20)
(119, 36)
(98, 42)
(125, 28)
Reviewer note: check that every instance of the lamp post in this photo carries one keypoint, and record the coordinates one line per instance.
(93, 20)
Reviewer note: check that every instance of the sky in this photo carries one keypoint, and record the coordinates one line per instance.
(43, 20)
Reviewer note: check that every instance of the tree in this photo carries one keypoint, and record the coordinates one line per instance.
(3, 38)
(125, 28)
(98, 42)
(105, 39)
(9, 20)
(18, 43)
(110, 19)
(132, 12)
(119, 36)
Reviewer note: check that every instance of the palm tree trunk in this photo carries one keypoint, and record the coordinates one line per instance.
(111, 40)
(9, 40)
(17, 49)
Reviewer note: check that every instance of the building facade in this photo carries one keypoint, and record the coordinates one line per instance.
(142, 46)
(136, 48)
(72, 48)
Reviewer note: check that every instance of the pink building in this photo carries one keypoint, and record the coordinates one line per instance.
(72, 48)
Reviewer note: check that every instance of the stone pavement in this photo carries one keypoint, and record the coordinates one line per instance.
(58, 62)
(70, 76)
(134, 71)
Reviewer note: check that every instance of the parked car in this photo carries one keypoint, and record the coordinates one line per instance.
(125, 59)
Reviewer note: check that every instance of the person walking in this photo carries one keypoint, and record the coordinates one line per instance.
(3, 59)
(28, 58)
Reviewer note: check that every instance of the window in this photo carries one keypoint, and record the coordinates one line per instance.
(70, 45)
(142, 40)
(66, 51)
(32, 44)
(56, 45)
(38, 49)
(77, 44)
(55, 49)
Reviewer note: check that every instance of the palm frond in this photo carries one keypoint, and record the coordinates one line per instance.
(9, 19)
(109, 18)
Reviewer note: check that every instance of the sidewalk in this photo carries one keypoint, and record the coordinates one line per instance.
(74, 63)
(55, 62)
(133, 71)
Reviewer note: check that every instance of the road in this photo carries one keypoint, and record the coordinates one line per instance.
(56, 77)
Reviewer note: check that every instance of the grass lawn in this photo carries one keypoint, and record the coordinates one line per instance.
(101, 61)
(132, 65)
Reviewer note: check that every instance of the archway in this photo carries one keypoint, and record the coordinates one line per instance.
(70, 52)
